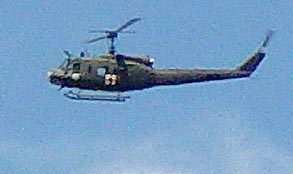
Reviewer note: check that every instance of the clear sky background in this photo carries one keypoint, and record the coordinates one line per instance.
(237, 126)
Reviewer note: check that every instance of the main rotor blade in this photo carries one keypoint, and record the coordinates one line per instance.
(109, 31)
(132, 21)
(128, 32)
(100, 31)
(97, 39)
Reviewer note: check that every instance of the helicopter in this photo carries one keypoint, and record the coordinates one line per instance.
(118, 73)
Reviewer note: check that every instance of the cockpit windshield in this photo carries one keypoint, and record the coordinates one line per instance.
(64, 64)
(70, 64)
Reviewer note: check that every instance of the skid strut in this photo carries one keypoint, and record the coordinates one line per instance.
(92, 97)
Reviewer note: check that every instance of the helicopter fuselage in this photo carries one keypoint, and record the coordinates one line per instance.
(109, 73)
(125, 73)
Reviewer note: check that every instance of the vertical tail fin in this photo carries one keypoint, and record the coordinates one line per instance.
(252, 63)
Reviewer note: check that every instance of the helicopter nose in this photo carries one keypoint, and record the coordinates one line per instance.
(55, 77)
(49, 74)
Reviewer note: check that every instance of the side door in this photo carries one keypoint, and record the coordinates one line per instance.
(108, 74)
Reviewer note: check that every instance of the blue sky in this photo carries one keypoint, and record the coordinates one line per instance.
(236, 126)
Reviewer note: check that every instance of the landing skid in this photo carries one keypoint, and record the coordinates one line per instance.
(93, 97)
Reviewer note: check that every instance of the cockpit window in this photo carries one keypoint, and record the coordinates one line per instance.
(76, 67)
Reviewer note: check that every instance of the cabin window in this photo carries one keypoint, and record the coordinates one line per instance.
(101, 71)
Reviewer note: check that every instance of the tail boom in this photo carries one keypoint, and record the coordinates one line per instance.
(181, 76)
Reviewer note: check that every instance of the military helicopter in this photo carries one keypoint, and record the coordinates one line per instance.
(118, 73)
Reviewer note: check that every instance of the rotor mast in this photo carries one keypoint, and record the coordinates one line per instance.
(111, 35)
(112, 47)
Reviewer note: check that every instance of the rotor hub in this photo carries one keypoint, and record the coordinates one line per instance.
(112, 34)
